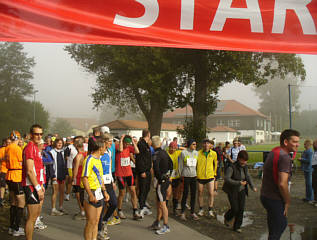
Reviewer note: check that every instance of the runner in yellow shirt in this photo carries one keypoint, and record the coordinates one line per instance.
(3, 169)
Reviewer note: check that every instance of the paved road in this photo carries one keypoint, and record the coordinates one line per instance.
(65, 228)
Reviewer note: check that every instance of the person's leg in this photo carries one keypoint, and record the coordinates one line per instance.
(277, 222)
(233, 207)
(185, 193)
(112, 202)
(210, 189)
(81, 208)
(13, 207)
(101, 216)
(61, 187)
(314, 183)
(164, 212)
(54, 195)
(19, 210)
(134, 199)
(34, 211)
(91, 213)
(240, 210)
(310, 194)
(200, 195)
(192, 194)
(142, 190)
(148, 184)
(97, 217)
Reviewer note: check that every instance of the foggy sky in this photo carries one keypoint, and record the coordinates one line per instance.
(65, 89)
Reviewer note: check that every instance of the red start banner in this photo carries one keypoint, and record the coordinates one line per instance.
(243, 25)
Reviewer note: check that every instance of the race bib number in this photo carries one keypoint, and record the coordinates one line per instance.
(106, 179)
(125, 162)
(98, 194)
(42, 175)
(191, 162)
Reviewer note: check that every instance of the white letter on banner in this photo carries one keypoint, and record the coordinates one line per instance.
(149, 17)
(187, 14)
(252, 12)
(302, 12)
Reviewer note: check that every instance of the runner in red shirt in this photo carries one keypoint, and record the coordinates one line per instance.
(33, 178)
(125, 176)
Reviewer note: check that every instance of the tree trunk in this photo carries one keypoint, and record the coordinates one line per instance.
(155, 118)
(199, 106)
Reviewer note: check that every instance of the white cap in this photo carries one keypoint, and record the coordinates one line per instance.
(105, 129)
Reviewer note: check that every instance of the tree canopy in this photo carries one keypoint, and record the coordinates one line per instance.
(15, 86)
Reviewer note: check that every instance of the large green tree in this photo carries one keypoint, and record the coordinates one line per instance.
(206, 71)
(15, 75)
(132, 78)
(158, 79)
(18, 114)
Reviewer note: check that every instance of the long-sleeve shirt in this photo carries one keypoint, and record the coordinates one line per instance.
(162, 164)
(306, 160)
(144, 158)
(235, 174)
(187, 162)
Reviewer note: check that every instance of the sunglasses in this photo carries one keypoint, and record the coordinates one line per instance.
(38, 134)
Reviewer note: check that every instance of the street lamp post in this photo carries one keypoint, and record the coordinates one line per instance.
(35, 91)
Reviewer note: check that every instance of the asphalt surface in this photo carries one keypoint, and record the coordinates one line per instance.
(66, 228)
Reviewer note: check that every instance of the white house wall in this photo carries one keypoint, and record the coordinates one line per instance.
(222, 136)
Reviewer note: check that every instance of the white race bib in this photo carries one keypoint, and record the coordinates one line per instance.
(106, 179)
(98, 194)
(125, 162)
(174, 174)
(42, 175)
(191, 162)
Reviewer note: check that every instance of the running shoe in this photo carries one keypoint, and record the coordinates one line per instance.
(155, 225)
(102, 236)
(39, 225)
(116, 220)
(145, 211)
(104, 229)
(111, 222)
(194, 216)
(121, 215)
(79, 216)
(148, 205)
(238, 230)
(187, 206)
(183, 217)
(66, 197)
(17, 233)
(10, 231)
(179, 207)
(211, 213)
(201, 213)
(137, 216)
(62, 210)
(55, 212)
(163, 230)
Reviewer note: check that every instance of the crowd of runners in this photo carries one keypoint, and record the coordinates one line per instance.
(99, 169)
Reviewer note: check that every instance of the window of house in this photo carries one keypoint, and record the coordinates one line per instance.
(220, 122)
(257, 123)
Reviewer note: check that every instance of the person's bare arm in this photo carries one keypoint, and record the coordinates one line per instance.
(136, 149)
(121, 143)
(283, 187)
(77, 160)
(92, 197)
(31, 175)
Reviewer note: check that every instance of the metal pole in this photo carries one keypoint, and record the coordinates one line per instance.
(290, 105)
(34, 106)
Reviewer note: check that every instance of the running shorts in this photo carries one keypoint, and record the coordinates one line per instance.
(204, 181)
(97, 204)
(31, 197)
(15, 187)
(161, 190)
(70, 172)
(176, 182)
(3, 179)
(125, 181)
